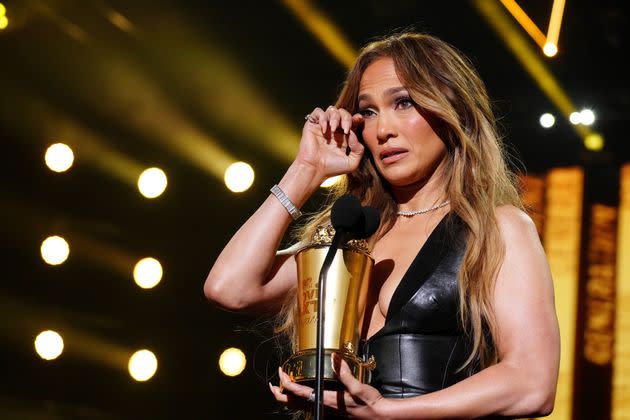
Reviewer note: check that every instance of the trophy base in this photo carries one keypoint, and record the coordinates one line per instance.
(301, 367)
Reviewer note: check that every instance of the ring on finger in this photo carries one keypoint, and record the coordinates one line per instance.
(311, 398)
(310, 119)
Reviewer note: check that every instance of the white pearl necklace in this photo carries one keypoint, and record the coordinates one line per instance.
(410, 213)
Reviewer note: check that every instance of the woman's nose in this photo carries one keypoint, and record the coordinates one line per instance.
(385, 128)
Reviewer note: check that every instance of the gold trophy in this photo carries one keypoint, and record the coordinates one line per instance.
(344, 306)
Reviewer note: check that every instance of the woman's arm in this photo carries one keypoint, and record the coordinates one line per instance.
(247, 275)
(521, 384)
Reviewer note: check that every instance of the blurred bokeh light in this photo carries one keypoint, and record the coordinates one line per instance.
(239, 176)
(55, 250)
(147, 273)
(547, 120)
(142, 365)
(232, 361)
(59, 157)
(48, 345)
(152, 182)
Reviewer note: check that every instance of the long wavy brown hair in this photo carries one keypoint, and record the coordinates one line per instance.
(450, 94)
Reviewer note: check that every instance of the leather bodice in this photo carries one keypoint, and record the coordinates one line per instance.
(421, 346)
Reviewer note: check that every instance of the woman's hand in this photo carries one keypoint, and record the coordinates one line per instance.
(329, 143)
(358, 401)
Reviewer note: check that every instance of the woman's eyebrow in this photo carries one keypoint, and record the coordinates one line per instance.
(389, 92)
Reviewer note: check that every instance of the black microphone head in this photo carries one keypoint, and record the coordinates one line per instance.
(346, 214)
(370, 223)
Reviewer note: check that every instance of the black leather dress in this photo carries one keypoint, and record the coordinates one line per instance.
(421, 346)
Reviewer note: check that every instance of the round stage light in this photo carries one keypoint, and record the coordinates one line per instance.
(3, 10)
(232, 361)
(142, 365)
(587, 117)
(547, 120)
(152, 182)
(59, 157)
(48, 345)
(147, 273)
(238, 177)
(575, 118)
(55, 250)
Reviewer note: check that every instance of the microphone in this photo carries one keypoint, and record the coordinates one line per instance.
(370, 222)
(350, 221)
(346, 217)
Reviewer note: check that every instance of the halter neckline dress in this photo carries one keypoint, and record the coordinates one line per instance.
(421, 346)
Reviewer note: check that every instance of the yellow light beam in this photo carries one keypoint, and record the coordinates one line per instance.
(137, 102)
(555, 21)
(127, 95)
(46, 124)
(133, 99)
(28, 319)
(29, 223)
(71, 29)
(218, 87)
(530, 60)
(324, 30)
(524, 20)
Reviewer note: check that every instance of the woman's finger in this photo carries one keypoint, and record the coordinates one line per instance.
(357, 119)
(315, 116)
(334, 118)
(346, 120)
(323, 121)
(344, 374)
(278, 395)
(293, 387)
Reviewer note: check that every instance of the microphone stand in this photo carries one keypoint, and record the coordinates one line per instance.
(319, 361)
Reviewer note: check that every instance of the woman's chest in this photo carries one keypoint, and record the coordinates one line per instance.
(415, 279)
(393, 256)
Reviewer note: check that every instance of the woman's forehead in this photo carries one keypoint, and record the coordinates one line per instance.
(379, 76)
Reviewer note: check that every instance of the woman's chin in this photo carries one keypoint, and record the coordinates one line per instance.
(404, 182)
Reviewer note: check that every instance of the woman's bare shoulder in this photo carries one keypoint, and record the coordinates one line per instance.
(513, 221)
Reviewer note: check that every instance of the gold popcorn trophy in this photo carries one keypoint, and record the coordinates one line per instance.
(344, 306)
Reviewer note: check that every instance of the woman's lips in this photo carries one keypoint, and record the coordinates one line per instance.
(392, 155)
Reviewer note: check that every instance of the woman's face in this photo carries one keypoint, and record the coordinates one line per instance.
(405, 148)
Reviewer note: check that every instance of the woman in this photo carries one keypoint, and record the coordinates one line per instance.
(463, 321)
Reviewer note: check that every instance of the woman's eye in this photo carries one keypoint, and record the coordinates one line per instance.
(404, 103)
(366, 112)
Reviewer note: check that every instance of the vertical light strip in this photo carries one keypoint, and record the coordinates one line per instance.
(562, 245)
(555, 21)
(600, 285)
(524, 20)
(621, 362)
